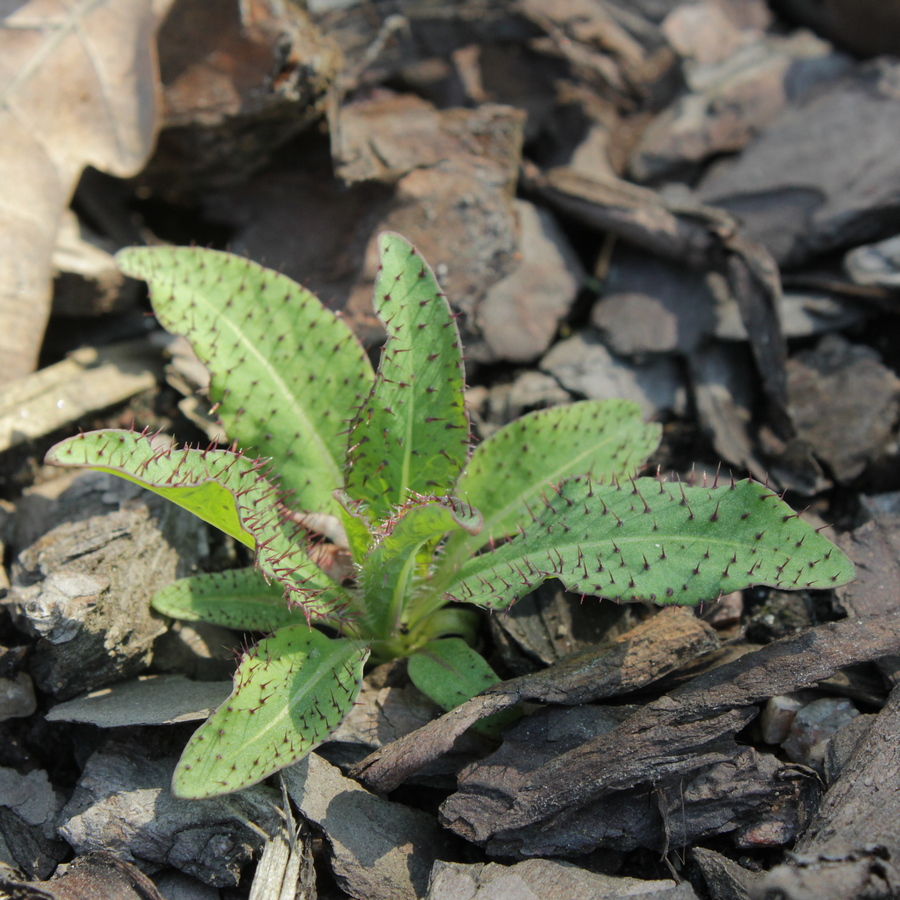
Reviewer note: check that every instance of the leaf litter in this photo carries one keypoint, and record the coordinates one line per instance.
(688, 782)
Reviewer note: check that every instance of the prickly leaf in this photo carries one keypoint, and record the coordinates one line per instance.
(239, 599)
(285, 371)
(510, 470)
(392, 567)
(221, 487)
(357, 526)
(205, 482)
(412, 432)
(652, 540)
(450, 672)
(290, 692)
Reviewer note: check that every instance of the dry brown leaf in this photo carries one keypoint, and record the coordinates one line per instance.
(78, 87)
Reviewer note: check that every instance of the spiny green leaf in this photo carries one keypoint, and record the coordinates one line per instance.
(239, 599)
(205, 482)
(221, 487)
(450, 672)
(291, 691)
(356, 526)
(651, 540)
(507, 472)
(286, 372)
(389, 571)
(412, 432)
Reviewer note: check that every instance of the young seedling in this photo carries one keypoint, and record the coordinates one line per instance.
(433, 528)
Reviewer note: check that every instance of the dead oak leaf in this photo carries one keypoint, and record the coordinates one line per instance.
(78, 87)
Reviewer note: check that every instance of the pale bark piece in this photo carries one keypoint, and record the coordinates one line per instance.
(148, 700)
(875, 264)
(123, 804)
(852, 849)
(459, 212)
(97, 874)
(818, 179)
(636, 658)
(825, 385)
(29, 807)
(78, 87)
(88, 380)
(583, 365)
(874, 548)
(690, 234)
(544, 879)
(84, 588)
(651, 305)
(680, 732)
(724, 398)
(520, 314)
(733, 97)
(379, 850)
(239, 79)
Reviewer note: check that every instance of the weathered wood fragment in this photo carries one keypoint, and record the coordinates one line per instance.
(654, 648)
(852, 847)
(680, 732)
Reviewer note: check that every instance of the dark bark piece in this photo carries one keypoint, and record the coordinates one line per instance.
(867, 27)
(654, 648)
(652, 305)
(29, 807)
(852, 848)
(662, 737)
(851, 813)
(725, 879)
(874, 548)
(123, 803)
(238, 81)
(699, 236)
(583, 365)
(548, 624)
(724, 397)
(825, 385)
(817, 179)
(720, 789)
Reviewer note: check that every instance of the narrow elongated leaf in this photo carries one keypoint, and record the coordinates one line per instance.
(508, 472)
(390, 569)
(221, 487)
(291, 691)
(412, 432)
(656, 541)
(285, 371)
(239, 599)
